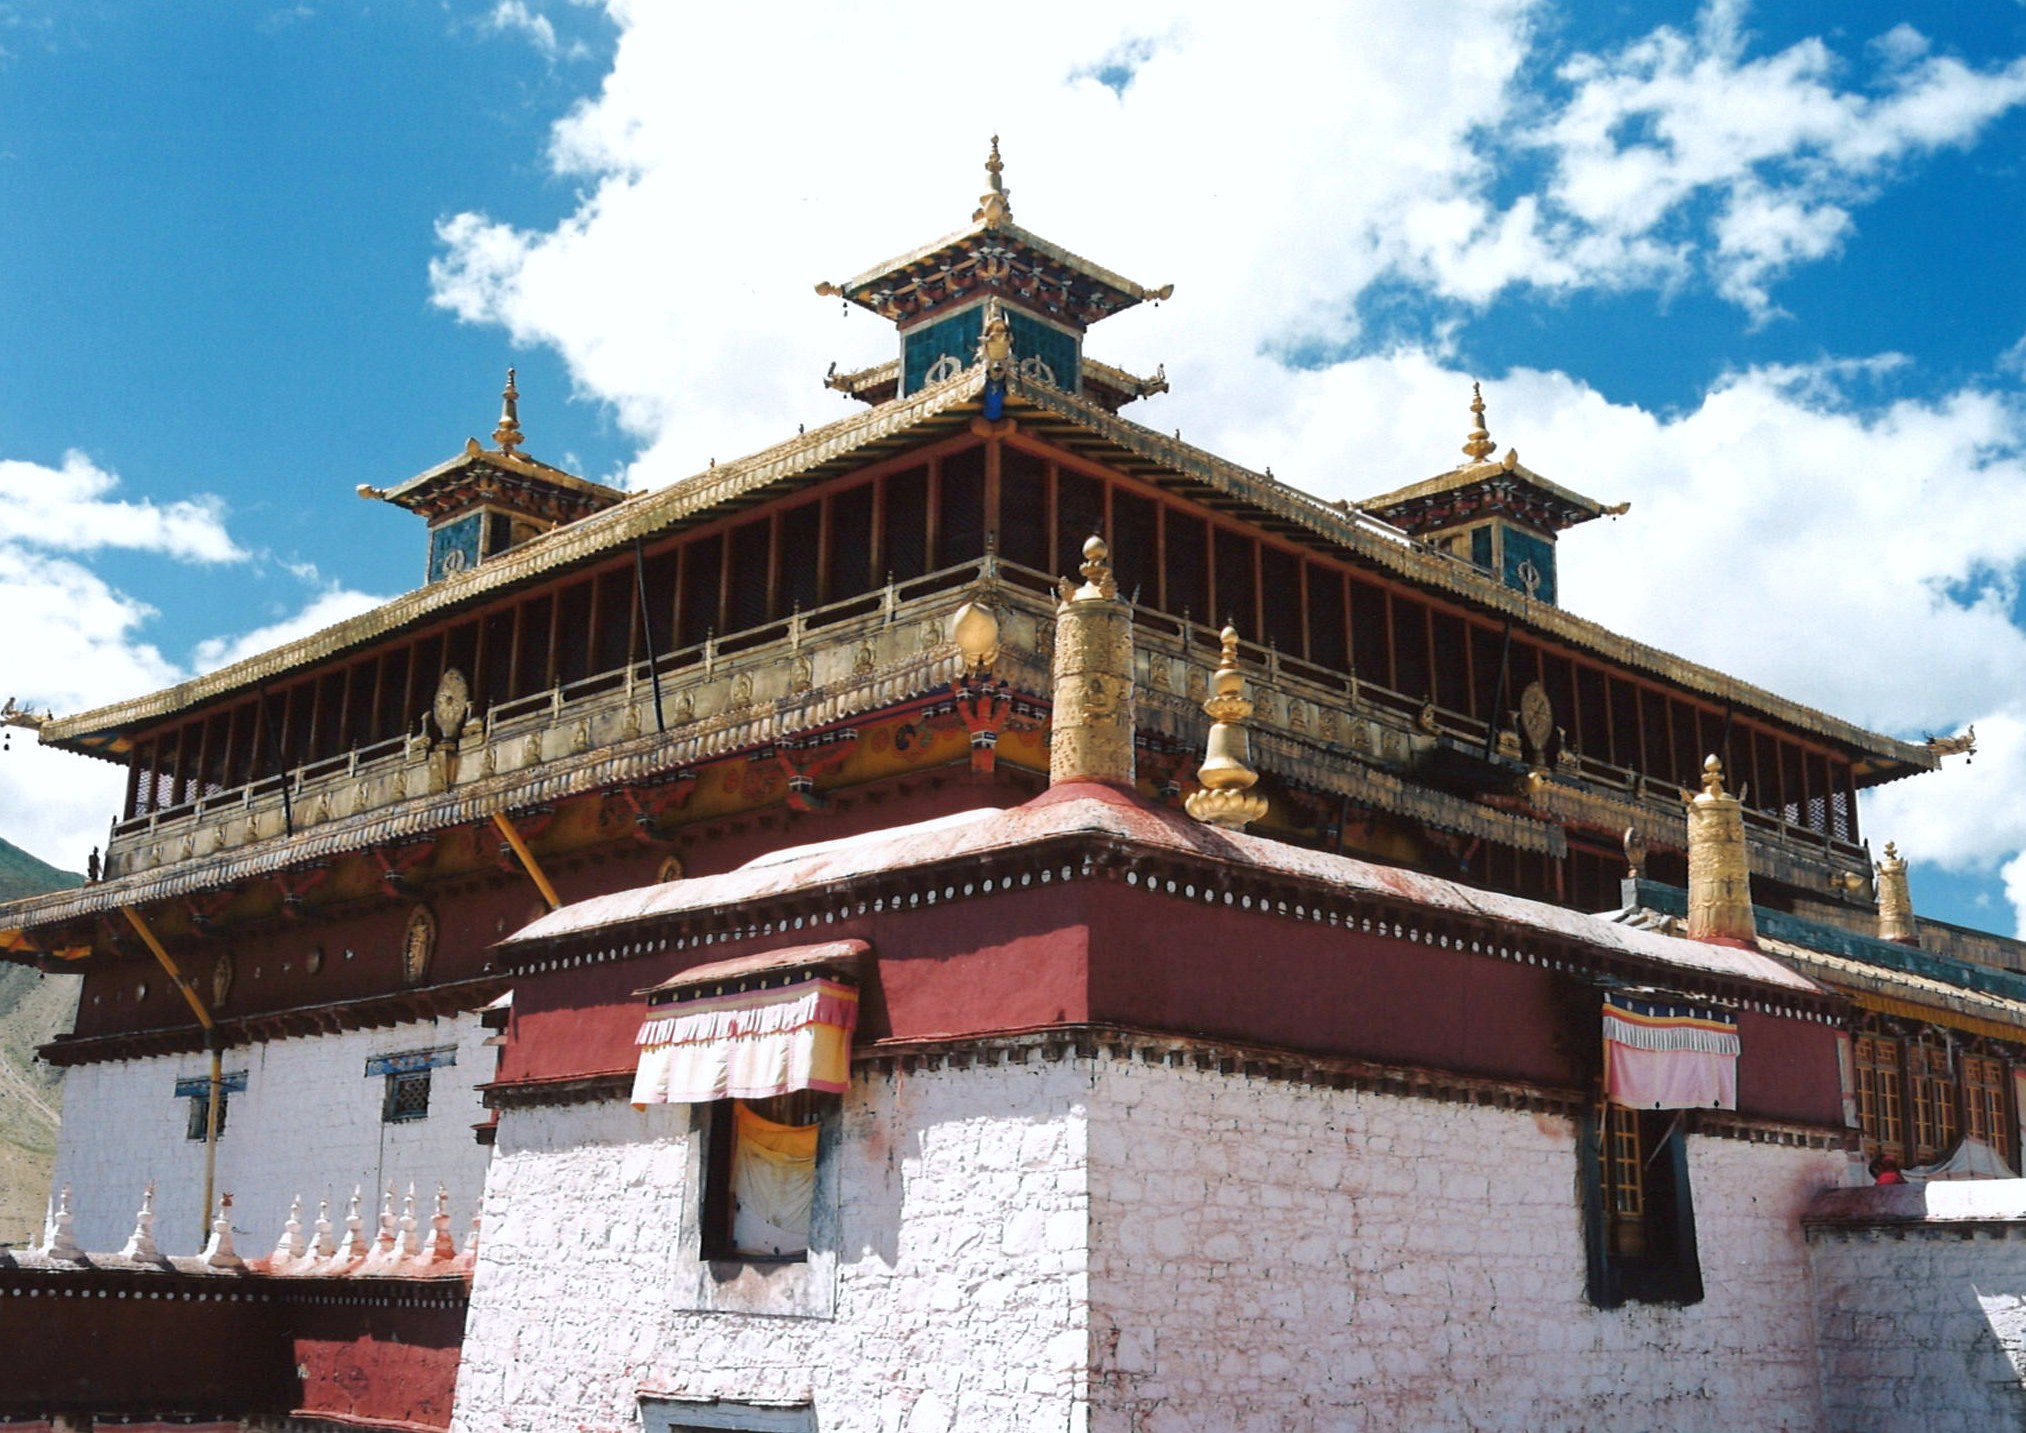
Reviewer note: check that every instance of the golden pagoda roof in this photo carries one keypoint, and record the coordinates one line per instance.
(1052, 416)
(993, 254)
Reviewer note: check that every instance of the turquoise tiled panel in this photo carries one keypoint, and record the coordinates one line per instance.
(1523, 547)
(954, 337)
(459, 537)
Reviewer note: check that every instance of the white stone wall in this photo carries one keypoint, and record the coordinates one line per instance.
(1220, 1253)
(1268, 1255)
(1923, 1328)
(949, 1236)
(308, 1123)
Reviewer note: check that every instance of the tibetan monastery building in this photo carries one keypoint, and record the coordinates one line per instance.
(986, 916)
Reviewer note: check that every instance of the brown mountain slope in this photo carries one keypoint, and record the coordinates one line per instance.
(33, 1008)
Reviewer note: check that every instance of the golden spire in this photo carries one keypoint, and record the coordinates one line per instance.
(1479, 445)
(1092, 737)
(1895, 901)
(1227, 776)
(508, 433)
(995, 205)
(1719, 871)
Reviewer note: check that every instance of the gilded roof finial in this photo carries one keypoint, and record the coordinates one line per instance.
(995, 205)
(1479, 446)
(1895, 900)
(1719, 869)
(1226, 773)
(1092, 724)
(508, 433)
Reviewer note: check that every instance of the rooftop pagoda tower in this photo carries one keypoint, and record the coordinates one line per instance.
(1492, 512)
(938, 295)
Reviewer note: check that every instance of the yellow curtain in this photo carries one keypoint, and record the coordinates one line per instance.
(773, 1183)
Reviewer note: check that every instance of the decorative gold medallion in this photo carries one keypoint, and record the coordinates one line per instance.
(671, 870)
(1536, 719)
(451, 705)
(418, 945)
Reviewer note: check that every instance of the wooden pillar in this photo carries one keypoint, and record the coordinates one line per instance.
(993, 448)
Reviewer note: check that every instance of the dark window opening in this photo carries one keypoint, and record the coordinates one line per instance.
(907, 524)
(851, 544)
(407, 1097)
(1639, 1210)
(960, 508)
(1023, 509)
(200, 1106)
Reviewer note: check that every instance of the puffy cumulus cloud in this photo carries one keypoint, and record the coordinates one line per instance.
(731, 162)
(72, 508)
(72, 641)
(1682, 130)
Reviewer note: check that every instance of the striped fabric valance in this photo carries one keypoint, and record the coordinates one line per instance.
(1664, 1056)
(748, 1044)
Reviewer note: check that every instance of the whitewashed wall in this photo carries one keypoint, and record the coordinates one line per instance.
(308, 1123)
(950, 1250)
(1277, 1256)
(1099, 1245)
(1923, 1326)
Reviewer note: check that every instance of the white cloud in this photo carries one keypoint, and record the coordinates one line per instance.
(1771, 145)
(71, 508)
(513, 17)
(72, 641)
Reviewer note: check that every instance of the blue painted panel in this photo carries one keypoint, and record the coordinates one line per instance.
(410, 1060)
(1523, 547)
(1035, 339)
(953, 337)
(459, 537)
(198, 1086)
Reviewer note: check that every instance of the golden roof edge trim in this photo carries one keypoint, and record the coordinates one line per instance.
(1412, 561)
(1475, 472)
(1067, 258)
(588, 537)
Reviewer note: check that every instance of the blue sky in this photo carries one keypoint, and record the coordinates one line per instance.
(1752, 268)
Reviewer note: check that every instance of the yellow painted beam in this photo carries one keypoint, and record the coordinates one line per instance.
(527, 859)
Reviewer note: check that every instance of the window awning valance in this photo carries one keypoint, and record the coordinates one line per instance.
(1663, 1055)
(748, 1044)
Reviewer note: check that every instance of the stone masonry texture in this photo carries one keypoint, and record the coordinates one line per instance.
(1099, 1246)
(308, 1124)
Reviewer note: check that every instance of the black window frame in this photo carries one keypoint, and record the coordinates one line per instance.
(391, 1111)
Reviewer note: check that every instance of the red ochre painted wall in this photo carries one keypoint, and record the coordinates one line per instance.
(1105, 953)
(111, 1344)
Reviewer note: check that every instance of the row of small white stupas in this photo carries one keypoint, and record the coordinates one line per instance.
(400, 1247)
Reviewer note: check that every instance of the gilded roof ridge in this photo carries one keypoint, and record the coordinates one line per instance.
(641, 515)
(1066, 257)
(1375, 538)
(652, 511)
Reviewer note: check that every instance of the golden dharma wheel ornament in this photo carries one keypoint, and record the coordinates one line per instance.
(451, 705)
